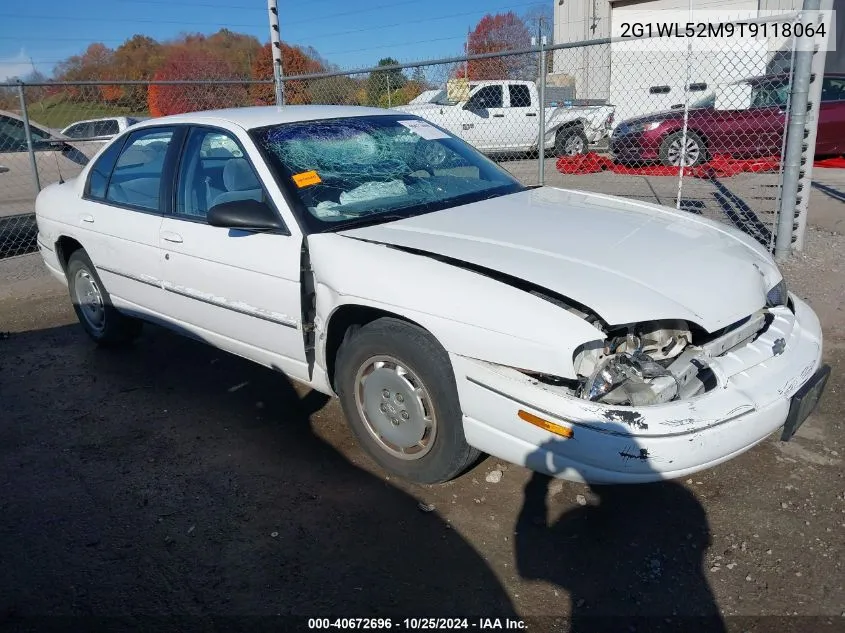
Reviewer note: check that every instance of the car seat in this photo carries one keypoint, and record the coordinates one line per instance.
(241, 183)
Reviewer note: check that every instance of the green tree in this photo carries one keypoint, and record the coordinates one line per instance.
(339, 90)
(379, 82)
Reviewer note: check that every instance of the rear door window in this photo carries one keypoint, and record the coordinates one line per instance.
(520, 96)
(98, 177)
(136, 180)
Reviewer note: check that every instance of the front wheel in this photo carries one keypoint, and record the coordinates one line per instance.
(675, 150)
(93, 306)
(570, 142)
(398, 393)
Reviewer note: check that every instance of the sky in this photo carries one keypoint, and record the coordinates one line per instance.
(351, 34)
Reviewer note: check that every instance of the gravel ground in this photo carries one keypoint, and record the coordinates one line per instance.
(171, 478)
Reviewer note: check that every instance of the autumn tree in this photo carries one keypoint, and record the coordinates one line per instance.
(496, 34)
(186, 63)
(137, 59)
(93, 64)
(239, 49)
(294, 62)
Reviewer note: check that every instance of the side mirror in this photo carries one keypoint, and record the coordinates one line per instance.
(246, 215)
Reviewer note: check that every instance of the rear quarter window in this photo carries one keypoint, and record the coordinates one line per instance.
(98, 177)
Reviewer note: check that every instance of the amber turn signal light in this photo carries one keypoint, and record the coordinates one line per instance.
(551, 427)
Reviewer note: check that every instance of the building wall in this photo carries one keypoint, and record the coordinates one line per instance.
(625, 75)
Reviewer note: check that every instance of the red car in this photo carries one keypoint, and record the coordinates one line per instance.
(756, 130)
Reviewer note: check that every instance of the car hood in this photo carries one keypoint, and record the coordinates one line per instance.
(420, 107)
(663, 115)
(626, 260)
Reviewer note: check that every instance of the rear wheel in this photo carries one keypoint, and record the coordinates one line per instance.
(398, 394)
(570, 142)
(675, 149)
(93, 305)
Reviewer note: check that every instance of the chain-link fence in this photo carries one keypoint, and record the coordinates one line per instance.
(700, 131)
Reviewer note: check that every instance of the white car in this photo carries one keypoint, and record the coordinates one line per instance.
(454, 311)
(101, 129)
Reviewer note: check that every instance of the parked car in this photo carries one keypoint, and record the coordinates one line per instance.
(100, 129)
(501, 116)
(54, 154)
(452, 310)
(746, 120)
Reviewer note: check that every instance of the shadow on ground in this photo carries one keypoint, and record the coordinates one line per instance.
(631, 557)
(171, 478)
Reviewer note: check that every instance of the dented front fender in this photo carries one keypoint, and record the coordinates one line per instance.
(468, 313)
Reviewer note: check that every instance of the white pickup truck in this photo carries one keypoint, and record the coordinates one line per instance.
(501, 116)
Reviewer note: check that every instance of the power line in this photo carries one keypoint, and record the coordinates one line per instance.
(356, 12)
(253, 24)
(318, 36)
(373, 48)
(189, 5)
(64, 18)
(420, 21)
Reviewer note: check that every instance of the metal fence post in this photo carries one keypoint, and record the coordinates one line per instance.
(276, 49)
(28, 133)
(798, 99)
(806, 181)
(541, 115)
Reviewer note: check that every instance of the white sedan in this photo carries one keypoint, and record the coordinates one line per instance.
(452, 310)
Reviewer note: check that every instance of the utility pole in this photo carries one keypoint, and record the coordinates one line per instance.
(466, 61)
(541, 85)
(276, 49)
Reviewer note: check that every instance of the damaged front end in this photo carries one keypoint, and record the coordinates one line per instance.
(656, 362)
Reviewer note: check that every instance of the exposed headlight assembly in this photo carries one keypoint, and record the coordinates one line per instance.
(632, 368)
(778, 295)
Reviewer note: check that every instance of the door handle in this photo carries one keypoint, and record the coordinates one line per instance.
(170, 236)
(530, 114)
(87, 218)
(498, 116)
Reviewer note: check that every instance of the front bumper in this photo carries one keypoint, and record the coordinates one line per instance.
(612, 444)
(636, 147)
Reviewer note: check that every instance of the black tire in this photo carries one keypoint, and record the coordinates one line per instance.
(571, 141)
(102, 322)
(447, 454)
(669, 155)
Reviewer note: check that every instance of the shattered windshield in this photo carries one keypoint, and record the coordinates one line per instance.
(378, 168)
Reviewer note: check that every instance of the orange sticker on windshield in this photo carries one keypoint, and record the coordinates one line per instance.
(306, 179)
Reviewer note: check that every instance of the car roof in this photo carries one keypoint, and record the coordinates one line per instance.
(31, 123)
(105, 118)
(260, 116)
